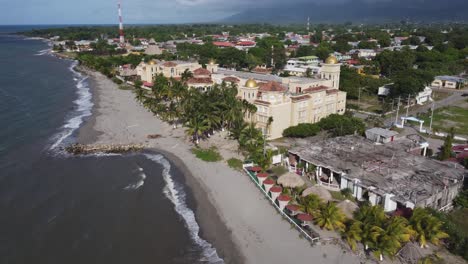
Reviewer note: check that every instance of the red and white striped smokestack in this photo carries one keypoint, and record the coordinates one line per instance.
(121, 32)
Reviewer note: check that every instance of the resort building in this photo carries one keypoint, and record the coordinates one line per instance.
(148, 70)
(393, 175)
(289, 100)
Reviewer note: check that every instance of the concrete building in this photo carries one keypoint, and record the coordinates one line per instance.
(388, 174)
(148, 70)
(289, 100)
(421, 98)
(452, 82)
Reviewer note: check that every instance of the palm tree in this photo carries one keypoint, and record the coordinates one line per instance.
(310, 204)
(251, 138)
(329, 216)
(196, 127)
(139, 94)
(388, 239)
(426, 227)
(369, 216)
(187, 74)
(353, 233)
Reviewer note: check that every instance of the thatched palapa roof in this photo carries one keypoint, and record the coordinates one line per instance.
(323, 193)
(348, 208)
(291, 180)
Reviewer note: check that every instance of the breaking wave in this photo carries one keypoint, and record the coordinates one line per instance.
(141, 181)
(175, 193)
(83, 107)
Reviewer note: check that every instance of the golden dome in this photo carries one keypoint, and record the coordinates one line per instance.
(251, 83)
(212, 62)
(331, 60)
(152, 62)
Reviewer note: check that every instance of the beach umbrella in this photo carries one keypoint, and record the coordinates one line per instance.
(291, 180)
(347, 207)
(321, 192)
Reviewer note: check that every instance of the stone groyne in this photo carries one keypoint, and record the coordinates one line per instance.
(80, 149)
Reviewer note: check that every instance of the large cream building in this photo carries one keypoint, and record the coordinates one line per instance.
(290, 100)
(148, 70)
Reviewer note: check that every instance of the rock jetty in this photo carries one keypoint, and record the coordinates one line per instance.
(79, 149)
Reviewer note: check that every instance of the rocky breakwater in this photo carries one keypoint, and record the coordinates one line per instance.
(82, 149)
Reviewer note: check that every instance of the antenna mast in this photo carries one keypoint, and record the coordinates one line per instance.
(121, 32)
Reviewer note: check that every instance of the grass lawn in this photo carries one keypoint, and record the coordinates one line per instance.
(209, 155)
(447, 117)
(235, 163)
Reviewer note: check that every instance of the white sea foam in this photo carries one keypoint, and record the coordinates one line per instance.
(176, 195)
(141, 181)
(43, 52)
(83, 106)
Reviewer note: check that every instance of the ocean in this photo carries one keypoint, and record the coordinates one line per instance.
(55, 208)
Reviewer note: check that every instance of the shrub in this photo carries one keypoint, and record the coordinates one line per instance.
(117, 80)
(235, 163)
(208, 155)
(336, 125)
(302, 130)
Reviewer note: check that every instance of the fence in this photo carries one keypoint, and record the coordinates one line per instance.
(290, 220)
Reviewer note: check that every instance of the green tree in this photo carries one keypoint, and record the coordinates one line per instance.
(446, 149)
(330, 217)
(427, 227)
(353, 233)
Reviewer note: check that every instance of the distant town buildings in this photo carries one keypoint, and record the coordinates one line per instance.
(452, 82)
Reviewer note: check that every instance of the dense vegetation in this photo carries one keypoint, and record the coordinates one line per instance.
(335, 125)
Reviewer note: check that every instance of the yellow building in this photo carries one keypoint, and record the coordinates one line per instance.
(290, 100)
(148, 70)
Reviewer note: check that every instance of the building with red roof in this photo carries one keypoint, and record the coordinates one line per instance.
(223, 44)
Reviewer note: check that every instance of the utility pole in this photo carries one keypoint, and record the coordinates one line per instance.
(398, 110)
(359, 97)
(407, 108)
(432, 115)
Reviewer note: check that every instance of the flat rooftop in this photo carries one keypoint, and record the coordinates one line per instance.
(389, 167)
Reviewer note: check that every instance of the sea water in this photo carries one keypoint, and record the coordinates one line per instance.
(55, 208)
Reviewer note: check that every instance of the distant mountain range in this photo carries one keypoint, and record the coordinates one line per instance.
(357, 11)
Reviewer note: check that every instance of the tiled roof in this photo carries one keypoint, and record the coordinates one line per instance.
(332, 91)
(170, 64)
(315, 89)
(201, 71)
(231, 79)
(200, 81)
(272, 87)
(223, 44)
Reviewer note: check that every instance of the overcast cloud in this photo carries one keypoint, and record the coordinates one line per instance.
(134, 11)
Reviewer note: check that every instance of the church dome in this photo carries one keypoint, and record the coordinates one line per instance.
(212, 62)
(251, 83)
(331, 60)
(152, 62)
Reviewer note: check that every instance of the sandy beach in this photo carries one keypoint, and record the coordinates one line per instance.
(233, 214)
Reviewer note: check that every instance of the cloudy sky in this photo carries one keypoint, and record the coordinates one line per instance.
(135, 11)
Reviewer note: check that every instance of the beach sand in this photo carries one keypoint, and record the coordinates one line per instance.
(233, 214)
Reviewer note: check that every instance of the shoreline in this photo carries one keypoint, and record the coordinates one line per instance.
(212, 227)
(232, 214)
